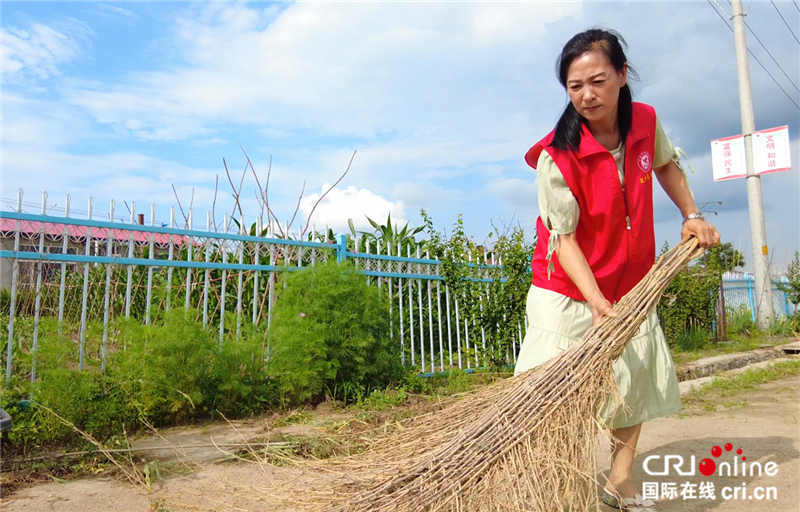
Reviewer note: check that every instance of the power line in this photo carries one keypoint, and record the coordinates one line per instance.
(784, 21)
(756, 58)
(794, 2)
(771, 57)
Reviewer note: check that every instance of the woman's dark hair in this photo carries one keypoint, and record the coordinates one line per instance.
(568, 129)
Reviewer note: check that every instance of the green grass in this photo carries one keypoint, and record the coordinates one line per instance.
(749, 379)
(734, 403)
(692, 339)
(381, 400)
(740, 323)
(453, 382)
(293, 418)
(728, 391)
(718, 349)
(785, 327)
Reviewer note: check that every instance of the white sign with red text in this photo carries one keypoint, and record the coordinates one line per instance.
(770, 154)
(727, 158)
(771, 150)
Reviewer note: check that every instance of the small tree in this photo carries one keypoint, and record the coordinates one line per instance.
(792, 288)
(723, 257)
(690, 301)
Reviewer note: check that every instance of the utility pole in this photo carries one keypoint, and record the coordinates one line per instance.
(758, 230)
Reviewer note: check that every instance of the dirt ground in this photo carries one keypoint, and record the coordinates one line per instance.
(764, 423)
(767, 429)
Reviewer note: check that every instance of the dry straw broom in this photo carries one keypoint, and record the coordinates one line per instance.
(527, 443)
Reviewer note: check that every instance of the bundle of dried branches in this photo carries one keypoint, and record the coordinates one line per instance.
(526, 443)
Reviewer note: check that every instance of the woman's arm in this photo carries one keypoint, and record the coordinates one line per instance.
(674, 184)
(577, 268)
(560, 213)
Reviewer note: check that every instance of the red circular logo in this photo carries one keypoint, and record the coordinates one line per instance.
(707, 467)
(645, 162)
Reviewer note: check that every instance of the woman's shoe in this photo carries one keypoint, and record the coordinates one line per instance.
(635, 504)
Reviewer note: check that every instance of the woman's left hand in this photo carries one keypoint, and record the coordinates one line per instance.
(705, 233)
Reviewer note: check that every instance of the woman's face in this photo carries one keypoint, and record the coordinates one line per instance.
(593, 86)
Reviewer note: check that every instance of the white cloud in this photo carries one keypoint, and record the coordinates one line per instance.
(523, 194)
(104, 6)
(123, 176)
(351, 203)
(428, 195)
(40, 50)
(40, 124)
(341, 69)
(409, 81)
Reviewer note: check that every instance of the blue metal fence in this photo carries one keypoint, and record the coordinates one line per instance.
(133, 270)
(87, 270)
(740, 295)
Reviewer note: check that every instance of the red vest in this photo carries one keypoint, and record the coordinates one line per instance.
(615, 228)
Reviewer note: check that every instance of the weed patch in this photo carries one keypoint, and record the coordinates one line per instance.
(381, 400)
(726, 391)
(717, 349)
(750, 378)
(293, 418)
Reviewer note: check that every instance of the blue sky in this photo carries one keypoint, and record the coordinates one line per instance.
(441, 100)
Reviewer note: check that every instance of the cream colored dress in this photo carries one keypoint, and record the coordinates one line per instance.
(645, 373)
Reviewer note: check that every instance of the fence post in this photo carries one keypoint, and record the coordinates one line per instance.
(64, 247)
(106, 295)
(12, 299)
(341, 250)
(750, 297)
(785, 281)
(722, 314)
(37, 307)
(84, 296)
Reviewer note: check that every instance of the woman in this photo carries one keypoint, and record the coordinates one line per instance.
(596, 237)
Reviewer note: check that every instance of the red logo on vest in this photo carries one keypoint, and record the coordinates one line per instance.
(645, 162)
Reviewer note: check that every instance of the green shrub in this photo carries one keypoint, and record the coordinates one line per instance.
(740, 322)
(792, 286)
(166, 370)
(381, 400)
(692, 339)
(785, 326)
(164, 374)
(496, 309)
(414, 383)
(458, 382)
(689, 302)
(177, 370)
(330, 332)
(453, 382)
(239, 377)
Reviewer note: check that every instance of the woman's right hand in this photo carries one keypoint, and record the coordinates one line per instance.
(600, 308)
